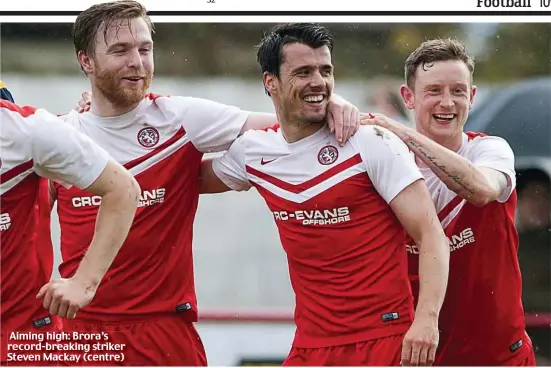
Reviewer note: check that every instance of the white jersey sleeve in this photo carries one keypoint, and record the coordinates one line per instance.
(389, 164)
(62, 154)
(230, 167)
(495, 153)
(211, 126)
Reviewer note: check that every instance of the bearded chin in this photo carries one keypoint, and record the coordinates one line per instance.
(108, 83)
(293, 114)
(314, 119)
(317, 120)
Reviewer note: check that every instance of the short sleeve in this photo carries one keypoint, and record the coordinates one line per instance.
(64, 155)
(389, 164)
(230, 167)
(495, 153)
(211, 126)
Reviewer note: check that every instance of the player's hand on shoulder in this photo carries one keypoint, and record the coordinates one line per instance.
(420, 342)
(377, 119)
(343, 118)
(85, 102)
(65, 297)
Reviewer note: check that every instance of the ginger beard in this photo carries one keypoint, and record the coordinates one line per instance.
(120, 91)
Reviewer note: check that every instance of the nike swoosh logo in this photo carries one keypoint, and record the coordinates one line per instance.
(262, 162)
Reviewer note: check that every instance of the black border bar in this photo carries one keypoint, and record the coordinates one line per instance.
(254, 13)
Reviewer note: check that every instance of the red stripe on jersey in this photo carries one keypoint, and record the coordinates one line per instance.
(274, 127)
(449, 207)
(19, 169)
(473, 135)
(154, 96)
(163, 146)
(24, 111)
(298, 188)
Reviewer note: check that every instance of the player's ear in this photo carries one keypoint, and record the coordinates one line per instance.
(270, 83)
(407, 96)
(86, 62)
(471, 97)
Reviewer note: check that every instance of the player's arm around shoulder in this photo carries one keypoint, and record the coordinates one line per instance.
(213, 126)
(226, 172)
(64, 155)
(343, 117)
(480, 179)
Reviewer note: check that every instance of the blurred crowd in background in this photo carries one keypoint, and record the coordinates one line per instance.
(513, 73)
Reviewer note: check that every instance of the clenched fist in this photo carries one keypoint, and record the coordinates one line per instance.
(65, 297)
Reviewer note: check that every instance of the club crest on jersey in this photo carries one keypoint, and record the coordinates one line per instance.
(148, 137)
(328, 155)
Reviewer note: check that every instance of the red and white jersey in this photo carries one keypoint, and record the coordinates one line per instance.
(34, 143)
(482, 319)
(344, 245)
(161, 142)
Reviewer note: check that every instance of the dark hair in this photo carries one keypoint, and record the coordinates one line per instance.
(270, 50)
(435, 50)
(92, 19)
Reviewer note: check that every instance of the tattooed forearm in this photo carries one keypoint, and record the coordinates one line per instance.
(431, 160)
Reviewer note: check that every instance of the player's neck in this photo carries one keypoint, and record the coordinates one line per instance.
(102, 107)
(294, 132)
